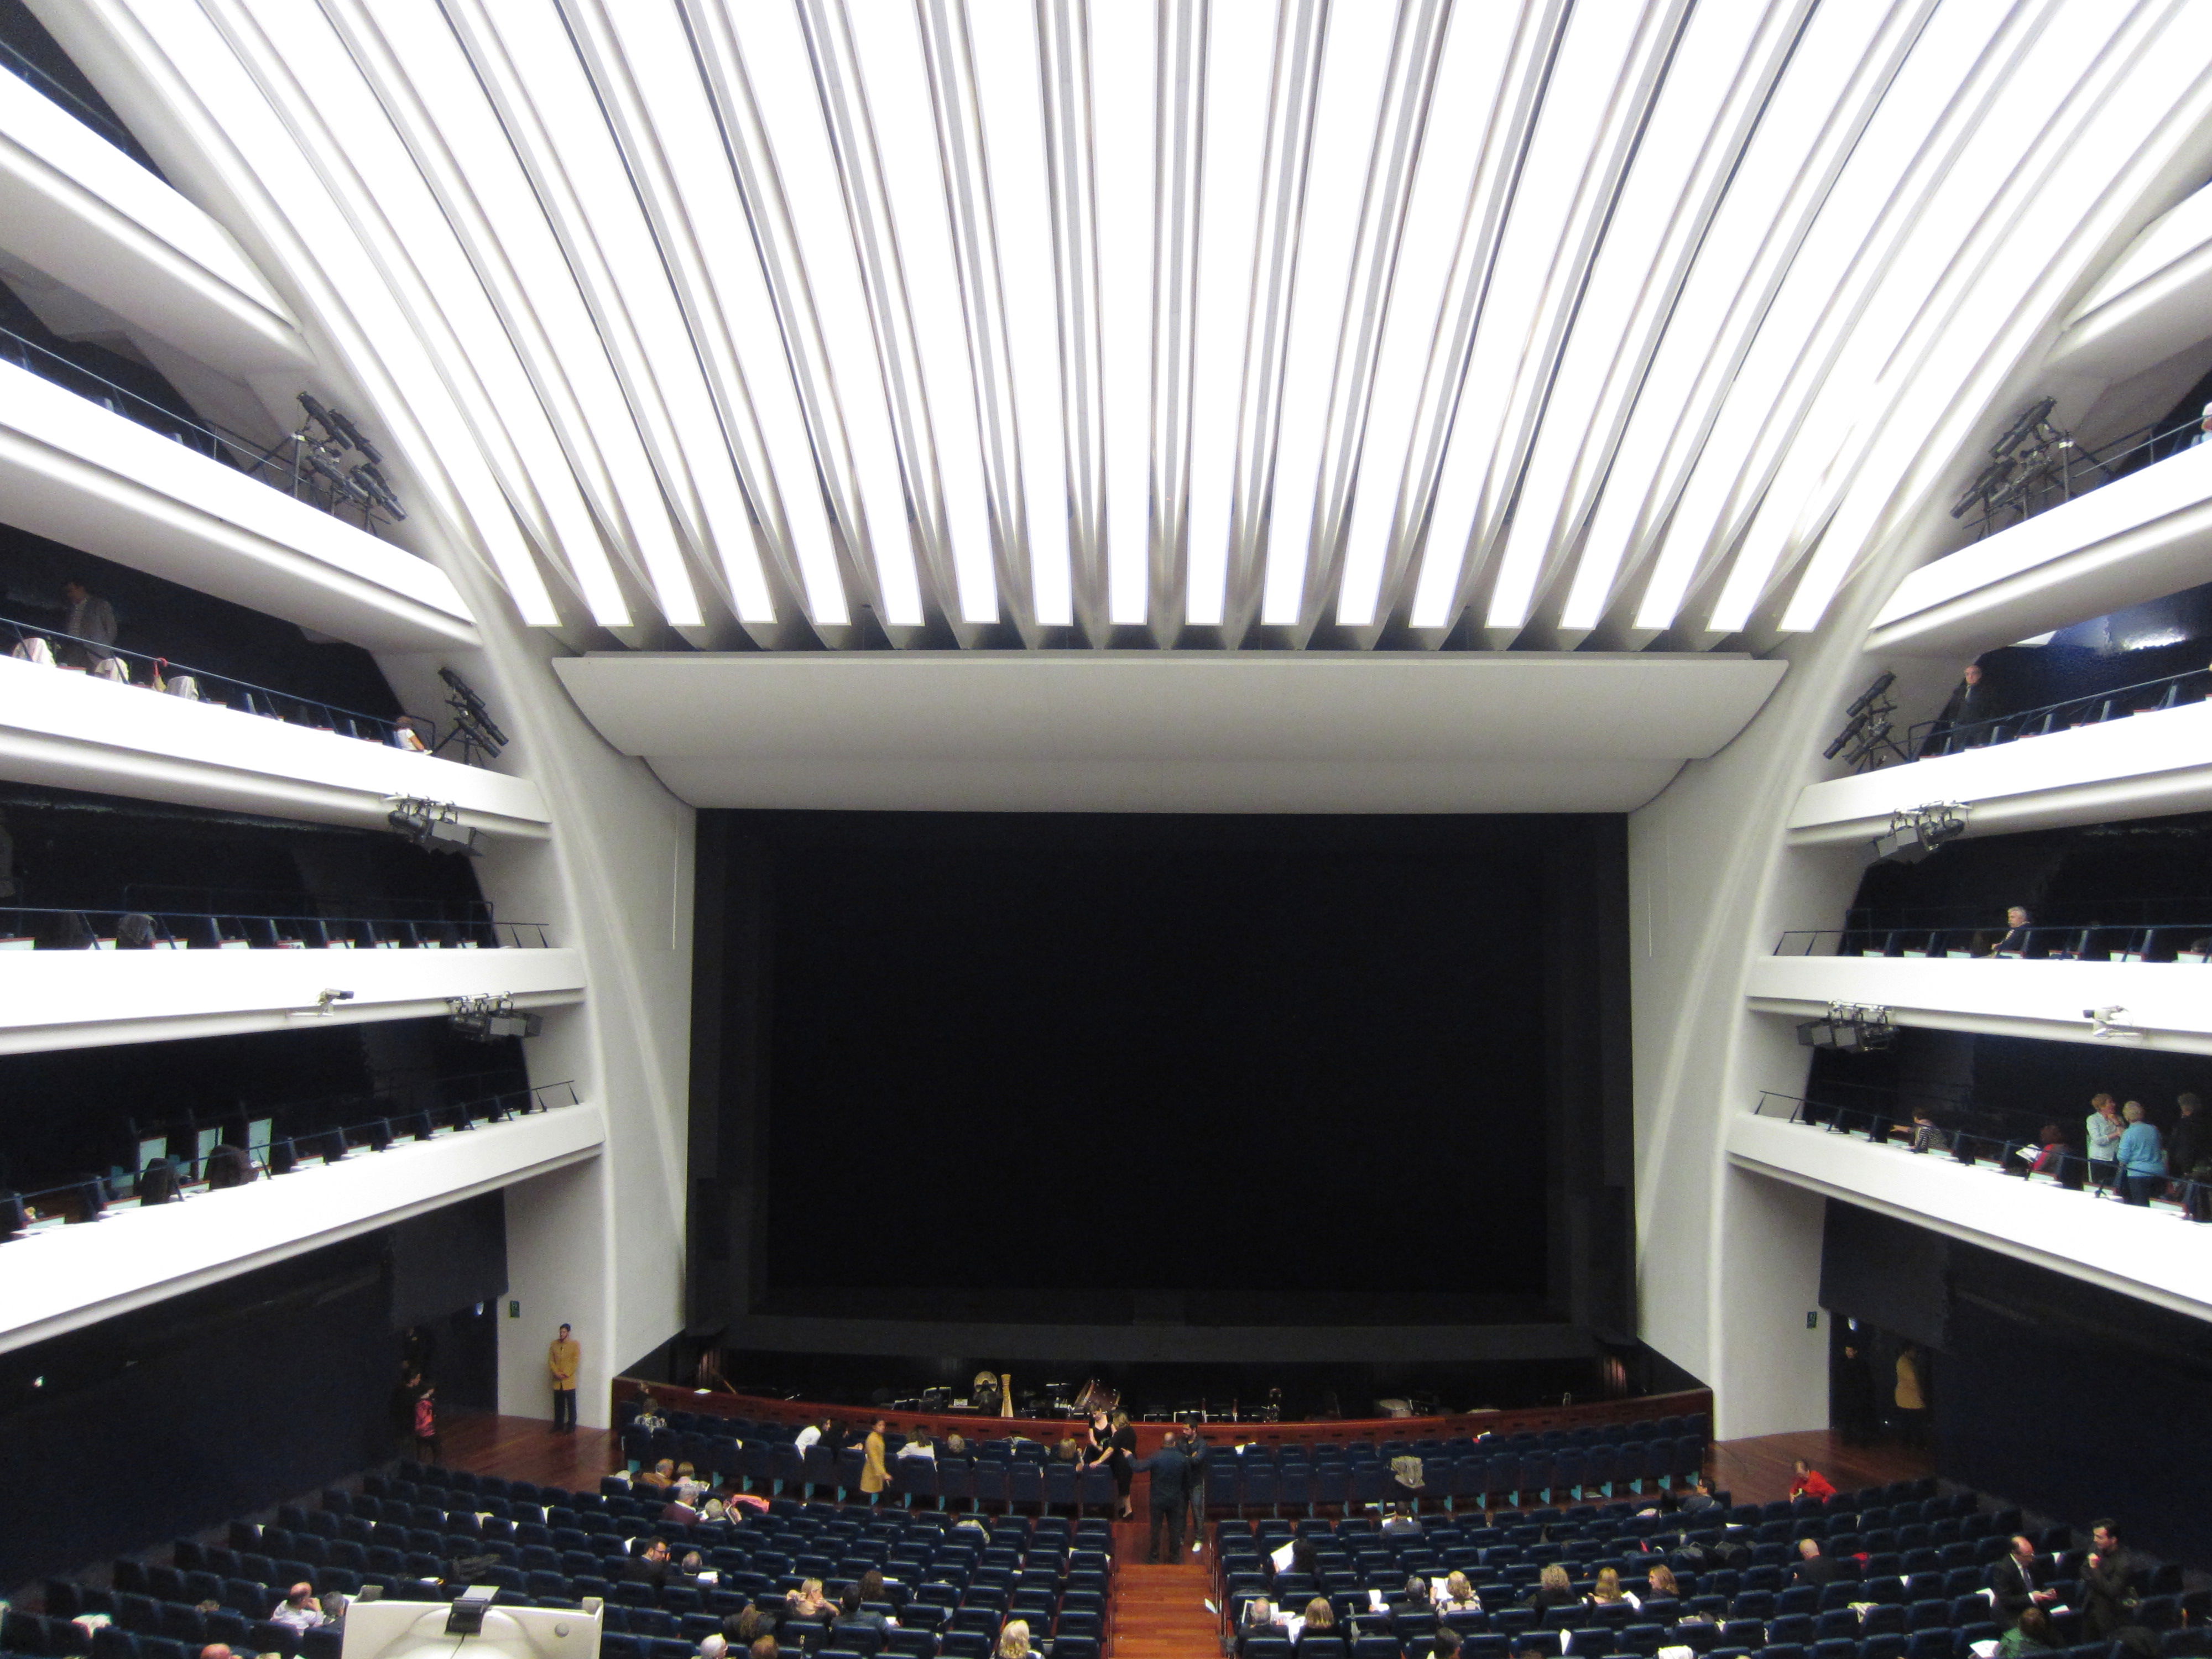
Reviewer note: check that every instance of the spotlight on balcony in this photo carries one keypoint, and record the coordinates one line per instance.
(434, 824)
(1916, 831)
(488, 1019)
(1849, 1029)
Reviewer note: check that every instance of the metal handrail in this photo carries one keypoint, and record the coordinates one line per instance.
(256, 699)
(2155, 942)
(2068, 1168)
(76, 929)
(1924, 741)
(265, 464)
(87, 1198)
(2054, 485)
(53, 91)
(247, 901)
(2146, 910)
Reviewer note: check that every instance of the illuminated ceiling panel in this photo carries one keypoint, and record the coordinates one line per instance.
(1256, 324)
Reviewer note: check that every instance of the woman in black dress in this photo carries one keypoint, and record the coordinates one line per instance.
(1113, 1442)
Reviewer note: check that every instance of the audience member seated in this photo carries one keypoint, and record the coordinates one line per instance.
(1401, 1522)
(1607, 1592)
(1260, 1619)
(1700, 1498)
(1457, 1595)
(2014, 941)
(1319, 1620)
(1553, 1589)
(919, 1446)
(300, 1609)
(852, 1613)
(764, 1649)
(2017, 1582)
(661, 1475)
(1014, 1641)
(716, 1646)
(1811, 1483)
(652, 1566)
(808, 1435)
(1660, 1580)
(808, 1602)
(1812, 1567)
(2033, 1635)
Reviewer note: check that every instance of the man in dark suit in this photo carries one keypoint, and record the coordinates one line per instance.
(2016, 1581)
(1812, 1567)
(2105, 1578)
(1171, 1472)
(652, 1566)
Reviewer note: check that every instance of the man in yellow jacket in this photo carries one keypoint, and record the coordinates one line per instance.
(562, 1360)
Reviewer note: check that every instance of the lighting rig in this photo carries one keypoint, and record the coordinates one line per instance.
(2111, 1025)
(1849, 1029)
(1916, 831)
(487, 1019)
(2032, 452)
(473, 726)
(1868, 739)
(321, 445)
(435, 824)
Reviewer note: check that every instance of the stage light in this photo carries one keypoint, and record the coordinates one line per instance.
(488, 1019)
(1916, 831)
(2109, 1025)
(473, 726)
(434, 824)
(1849, 1029)
(1867, 729)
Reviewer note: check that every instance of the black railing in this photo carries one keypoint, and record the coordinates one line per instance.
(162, 674)
(170, 1180)
(261, 901)
(2170, 942)
(26, 928)
(2022, 1154)
(2075, 471)
(1939, 737)
(52, 89)
(283, 465)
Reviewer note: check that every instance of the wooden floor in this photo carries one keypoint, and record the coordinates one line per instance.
(526, 1449)
(1759, 1470)
(1159, 1612)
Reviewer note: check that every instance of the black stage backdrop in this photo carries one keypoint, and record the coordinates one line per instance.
(1225, 1070)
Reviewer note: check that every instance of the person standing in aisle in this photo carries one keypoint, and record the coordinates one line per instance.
(875, 1473)
(91, 626)
(562, 1360)
(2105, 1127)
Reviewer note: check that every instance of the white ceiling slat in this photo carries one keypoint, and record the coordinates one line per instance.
(395, 212)
(1218, 322)
(1407, 561)
(667, 130)
(757, 65)
(1291, 104)
(1010, 68)
(1064, 65)
(1386, 193)
(426, 86)
(874, 91)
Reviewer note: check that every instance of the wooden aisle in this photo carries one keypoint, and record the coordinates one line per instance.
(526, 1449)
(1159, 1612)
(1759, 1470)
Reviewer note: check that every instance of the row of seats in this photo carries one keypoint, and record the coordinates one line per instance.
(1367, 1643)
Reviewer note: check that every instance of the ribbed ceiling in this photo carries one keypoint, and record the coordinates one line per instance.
(1257, 322)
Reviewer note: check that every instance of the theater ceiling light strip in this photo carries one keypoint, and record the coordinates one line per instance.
(1408, 324)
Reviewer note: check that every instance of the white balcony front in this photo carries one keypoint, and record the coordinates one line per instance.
(2147, 765)
(2164, 1004)
(2140, 538)
(55, 1280)
(80, 210)
(2152, 1254)
(73, 472)
(75, 731)
(90, 998)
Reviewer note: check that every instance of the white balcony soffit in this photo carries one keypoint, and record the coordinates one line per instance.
(2138, 1252)
(88, 215)
(1400, 323)
(1076, 731)
(2149, 765)
(2139, 538)
(74, 731)
(2153, 300)
(90, 998)
(2171, 1003)
(73, 472)
(58, 1280)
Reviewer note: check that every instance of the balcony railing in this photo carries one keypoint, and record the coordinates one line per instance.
(2019, 1153)
(2186, 942)
(299, 464)
(1938, 736)
(200, 685)
(28, 928)
(229, 1164)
